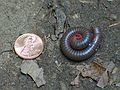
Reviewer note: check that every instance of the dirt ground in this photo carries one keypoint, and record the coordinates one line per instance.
(49, 19)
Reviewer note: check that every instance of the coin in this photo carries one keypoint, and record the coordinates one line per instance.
(28, 46)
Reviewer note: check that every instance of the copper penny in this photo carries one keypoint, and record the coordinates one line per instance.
(28, 46)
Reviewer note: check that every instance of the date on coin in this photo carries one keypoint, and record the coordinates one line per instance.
(28, 46)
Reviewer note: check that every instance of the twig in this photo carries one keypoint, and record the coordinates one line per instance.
(114, 24)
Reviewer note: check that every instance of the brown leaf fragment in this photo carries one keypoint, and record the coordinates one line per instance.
(94, 70)
(114, 76)
(98, 67)
(110, 67)
(99, 72)
(103, 81)
(114, 70)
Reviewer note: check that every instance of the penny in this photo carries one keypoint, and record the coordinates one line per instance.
(28, 46)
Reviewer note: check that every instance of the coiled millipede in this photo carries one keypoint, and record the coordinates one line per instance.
(79, 43)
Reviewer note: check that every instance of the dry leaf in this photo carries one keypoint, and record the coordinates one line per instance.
(110, 67)
(31, 68)
(98, 72)
(114, 70)
(94, 70)
(103, 81)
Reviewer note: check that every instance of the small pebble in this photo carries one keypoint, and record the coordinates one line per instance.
(118, 84)
(53, 37)
(75, 16)
(113, 17)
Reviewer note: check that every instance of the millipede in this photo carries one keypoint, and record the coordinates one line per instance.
(80, 43)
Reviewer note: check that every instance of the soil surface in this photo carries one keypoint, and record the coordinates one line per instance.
(49, 19)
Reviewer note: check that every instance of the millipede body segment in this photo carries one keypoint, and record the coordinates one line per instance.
(79, 43)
